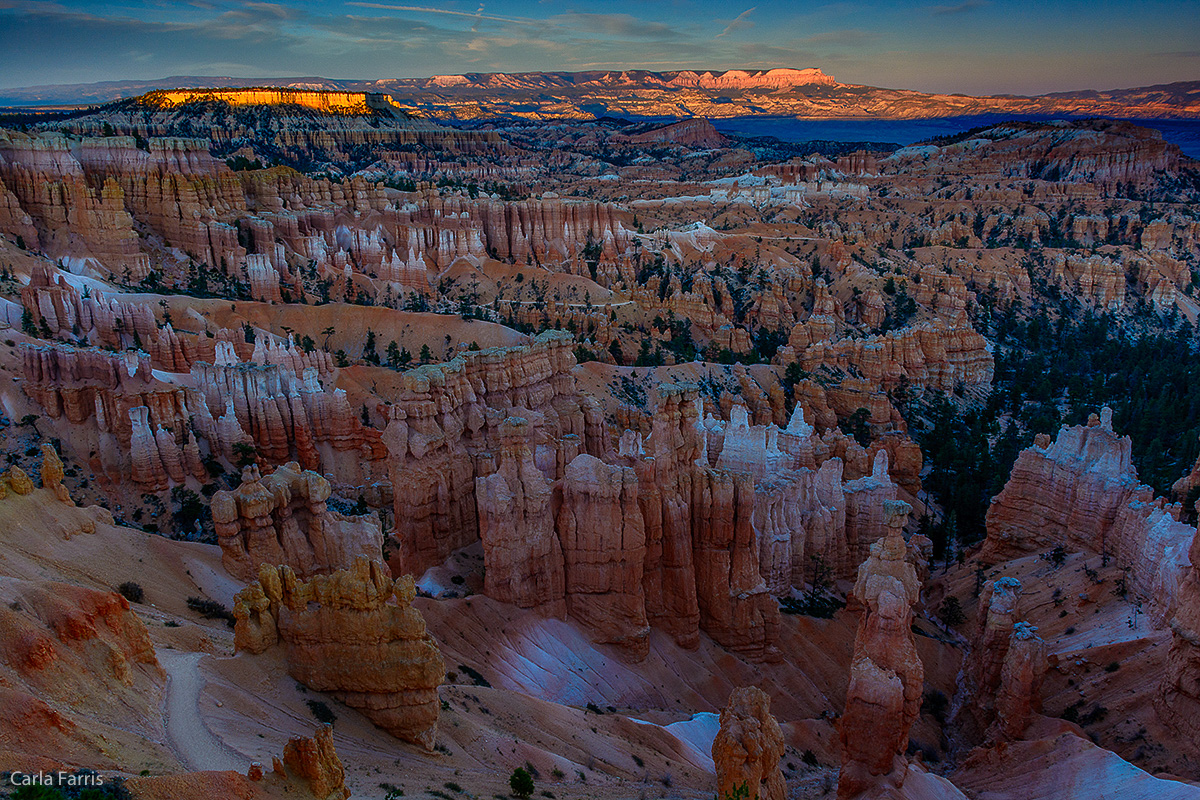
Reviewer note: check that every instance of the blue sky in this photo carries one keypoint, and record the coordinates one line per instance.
(969, 46)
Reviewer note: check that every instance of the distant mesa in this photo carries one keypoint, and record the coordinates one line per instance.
(344, 103)
(729, 79)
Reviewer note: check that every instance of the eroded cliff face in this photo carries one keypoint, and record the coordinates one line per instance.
(603, 537)
(445, 430)
(1081, 491)
(343, 635)
(157, 429)
(282, 519)
(522, 554)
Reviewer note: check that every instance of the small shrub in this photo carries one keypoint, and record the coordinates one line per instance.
(452, 786)
(321, 711)
(474, 676)
(210, 609)
(739, 792)
(131, 592)
(810, 758)
(520, 783)
(1112, 667)
(951, 612)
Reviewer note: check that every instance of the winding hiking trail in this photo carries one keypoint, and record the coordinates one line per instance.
(188, 736)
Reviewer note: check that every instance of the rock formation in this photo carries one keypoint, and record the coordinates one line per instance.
(1019, 695)
(449, 415)
(942, 355)
(999, 605)
(603, 540)
(747, 748)
(282, 519)
(1081, 491)
(1178, 699)
(52, 473)
(886, 675)
(866, 501)
(342, 635)
(17, 480)
(522, 554)
(316, 761)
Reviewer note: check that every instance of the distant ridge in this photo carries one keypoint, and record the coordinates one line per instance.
(804, 93)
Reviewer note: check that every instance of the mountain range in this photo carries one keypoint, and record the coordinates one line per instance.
(802, 93)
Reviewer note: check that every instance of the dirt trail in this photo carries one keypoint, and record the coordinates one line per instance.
(188, 735)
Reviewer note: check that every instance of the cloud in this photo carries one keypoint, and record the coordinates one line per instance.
(475, 15)
(958, 8)
(740, 21)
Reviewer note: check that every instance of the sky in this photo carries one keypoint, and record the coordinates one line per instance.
(967, 46)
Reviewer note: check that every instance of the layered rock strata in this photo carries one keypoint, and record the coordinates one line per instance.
(282, 519)
(343, 635)
(1082, 491)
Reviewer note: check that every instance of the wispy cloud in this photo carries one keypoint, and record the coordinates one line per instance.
(475, 15)
(957, 8)
(742, 20)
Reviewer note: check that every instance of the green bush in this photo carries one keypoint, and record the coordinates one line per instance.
(321, 712)
(520, 783)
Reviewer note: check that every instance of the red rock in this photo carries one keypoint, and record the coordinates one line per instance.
(1019, 695)
(1082, 491)
(316, 761)
(747, 748)
(886, 674)
(604, 549)
(523, 559)
(1177, 701)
